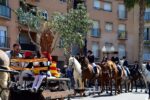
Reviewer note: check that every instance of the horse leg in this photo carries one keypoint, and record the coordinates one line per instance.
(149, 90)
(146, 85)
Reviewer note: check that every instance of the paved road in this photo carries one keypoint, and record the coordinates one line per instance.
(123, 96)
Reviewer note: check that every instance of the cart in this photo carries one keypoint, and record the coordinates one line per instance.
(51, 88)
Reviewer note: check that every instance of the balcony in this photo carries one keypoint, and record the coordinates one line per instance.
(4, 42)
(122, 35)
(30, 47)
(147, 16)
(5, 12)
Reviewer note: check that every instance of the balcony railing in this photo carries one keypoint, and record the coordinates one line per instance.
(4, 42)
(28, 47)
(5, 11)
(122, 35)
(147, 16)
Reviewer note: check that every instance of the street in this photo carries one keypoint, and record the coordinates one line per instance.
(123, 96)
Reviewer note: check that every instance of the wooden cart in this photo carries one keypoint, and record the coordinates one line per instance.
(51, 88)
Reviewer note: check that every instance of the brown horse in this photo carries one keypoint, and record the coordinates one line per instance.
(110, 73)
(87, 71)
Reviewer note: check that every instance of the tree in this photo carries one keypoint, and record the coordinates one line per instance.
(72, 27)
(142, 5)
(34, 21)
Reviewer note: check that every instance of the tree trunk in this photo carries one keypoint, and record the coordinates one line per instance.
(69, 5)
(141, 31)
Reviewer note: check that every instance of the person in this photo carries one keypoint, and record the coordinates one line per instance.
(91, 58)
(43, 74)
(15, 53)
(26, 73)
(116, 59)
(148, 66)
(126, 65)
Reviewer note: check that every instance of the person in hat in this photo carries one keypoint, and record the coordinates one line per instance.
(91, 58)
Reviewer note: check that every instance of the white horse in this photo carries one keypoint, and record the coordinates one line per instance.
(146, 76)
(4, 76)
(125, 78)
(77, 73)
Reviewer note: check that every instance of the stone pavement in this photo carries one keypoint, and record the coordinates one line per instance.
(123, 96)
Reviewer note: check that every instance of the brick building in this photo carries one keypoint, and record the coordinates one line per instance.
(113, 26)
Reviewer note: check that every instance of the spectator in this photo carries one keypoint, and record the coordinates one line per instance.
(15, 53)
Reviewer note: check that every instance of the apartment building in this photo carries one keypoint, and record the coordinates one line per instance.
(114, 28)
(146, 53)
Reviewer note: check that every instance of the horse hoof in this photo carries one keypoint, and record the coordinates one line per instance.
(145, 91)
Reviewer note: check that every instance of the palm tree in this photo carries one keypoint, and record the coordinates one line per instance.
(142, 5)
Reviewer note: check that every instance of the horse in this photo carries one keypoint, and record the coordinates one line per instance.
(87, 71)
(4, 76)
(77, 72)
(110, 70)
(135, 76)
(125, 75)
(146, 77)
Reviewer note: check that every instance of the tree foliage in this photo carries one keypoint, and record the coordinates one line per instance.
(72, 26)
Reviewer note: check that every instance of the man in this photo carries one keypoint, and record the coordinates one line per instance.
(91, 60)
(126, 65)
(15, 53)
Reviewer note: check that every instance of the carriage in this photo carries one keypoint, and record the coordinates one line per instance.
(51, 88)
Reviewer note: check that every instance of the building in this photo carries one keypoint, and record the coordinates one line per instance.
(113, 26)
(146, 54)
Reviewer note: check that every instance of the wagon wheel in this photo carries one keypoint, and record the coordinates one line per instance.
(46, 41)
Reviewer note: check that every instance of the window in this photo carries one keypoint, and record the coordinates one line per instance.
(121, 50)
(3, 34)
(24, 38)
(122, 14)
(45, 15)
(122, 27)
(108, 26)
(107, 6)
(147, 10)
(95, 49)
(96, 4)
(63, 0)
(95, 29)
(147, 34)
(3, 2)
(122, 31)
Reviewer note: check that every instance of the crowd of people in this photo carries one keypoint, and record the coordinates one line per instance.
(38, 75)
(64, 72)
